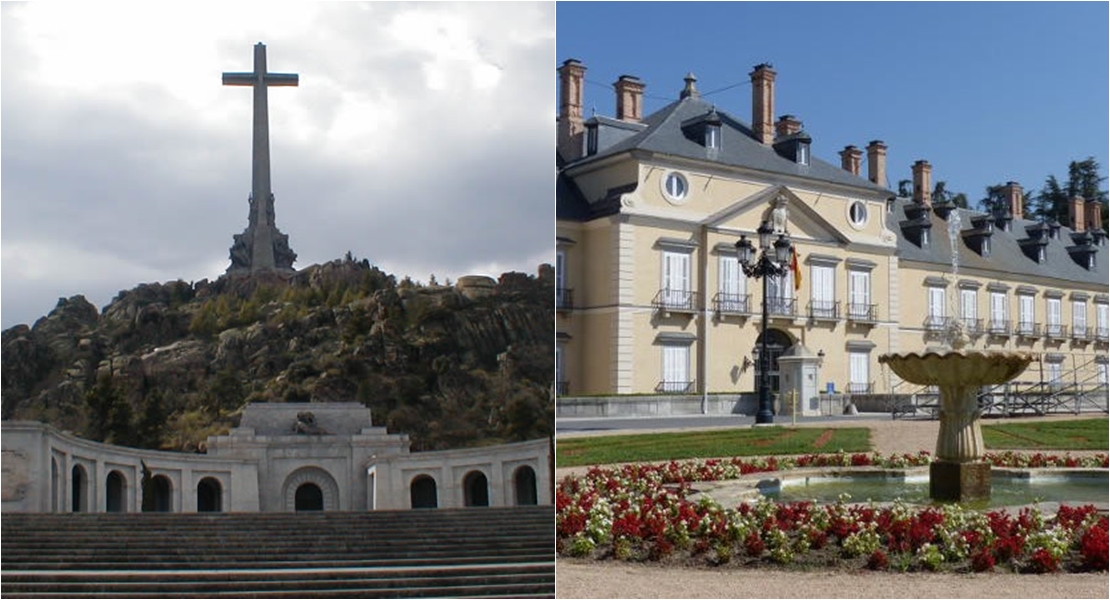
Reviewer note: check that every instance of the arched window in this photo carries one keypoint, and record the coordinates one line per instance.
(422, 492)
(476, 489)
(115, 490)
(309, 497)
(524, 486)
(79, 486)
(158, 494)
(209, 495)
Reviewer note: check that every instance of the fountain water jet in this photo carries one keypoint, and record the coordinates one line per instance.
(958, 473)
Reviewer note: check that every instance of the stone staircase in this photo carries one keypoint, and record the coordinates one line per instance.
(459, 553)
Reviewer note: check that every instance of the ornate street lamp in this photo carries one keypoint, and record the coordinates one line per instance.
(773, 261)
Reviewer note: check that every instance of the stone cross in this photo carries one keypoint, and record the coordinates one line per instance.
(261, 247)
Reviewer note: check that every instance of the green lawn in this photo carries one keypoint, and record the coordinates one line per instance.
(602, 450)
(1083, 434)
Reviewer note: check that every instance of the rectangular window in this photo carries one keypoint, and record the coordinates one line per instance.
(780, 294)
(822, 291)
(1101, 320)
(859, 294)
(1000, 320)
(1053, 320)
(676, 368)
(936, 308)
(968, 302)
(1079, 317)
(859, 378)
(1102, 373)
(676, 279)
(1026, 316)
(561, 295)
(1053, 372)
(731, 285)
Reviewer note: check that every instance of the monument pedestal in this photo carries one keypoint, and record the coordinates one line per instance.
(959, 481)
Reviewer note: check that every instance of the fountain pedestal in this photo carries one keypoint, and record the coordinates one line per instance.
(958, 474)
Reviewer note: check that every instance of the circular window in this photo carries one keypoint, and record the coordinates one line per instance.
(857, 213)
(675, 187)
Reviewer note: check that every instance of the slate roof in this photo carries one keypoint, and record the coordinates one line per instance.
(661, 132)
(1005, 256)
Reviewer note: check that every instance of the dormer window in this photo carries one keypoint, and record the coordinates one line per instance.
(591, 137)
(803, 153)
(713, 135)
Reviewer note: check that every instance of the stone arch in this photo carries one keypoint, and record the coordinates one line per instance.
(314, 475)
(422, 492)
(115, 492)
(308, 496)
(524, 486)
(210, 495)
(158, 494)
(79, 488)
(778, 342)
(475, 489)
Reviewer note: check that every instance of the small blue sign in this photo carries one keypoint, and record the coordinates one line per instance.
(830, 387)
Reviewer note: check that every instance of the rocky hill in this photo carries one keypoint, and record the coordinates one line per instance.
(165, 365)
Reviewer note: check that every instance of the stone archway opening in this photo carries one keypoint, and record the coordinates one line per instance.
(524, 486)
(476, 489)
(778, 342)
(209, 495)
(79, 488)
(158, 494)
(422, 492)
(115, 491)
(308, 496)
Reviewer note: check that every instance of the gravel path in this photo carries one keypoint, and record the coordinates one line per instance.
(583, 579)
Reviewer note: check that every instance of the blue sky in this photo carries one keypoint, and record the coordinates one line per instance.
(986, 92)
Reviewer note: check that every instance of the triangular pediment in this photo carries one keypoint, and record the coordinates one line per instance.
(801, 221)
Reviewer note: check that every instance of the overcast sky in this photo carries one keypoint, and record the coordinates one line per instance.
(420, 138)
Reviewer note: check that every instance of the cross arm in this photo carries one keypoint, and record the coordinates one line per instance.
(282, 79)
(238, 78)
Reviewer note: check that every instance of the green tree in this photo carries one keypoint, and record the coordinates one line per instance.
(100, 399)
(996, 200)
(941, 194)
(226, 392)
(1083, 180)
(152, 423)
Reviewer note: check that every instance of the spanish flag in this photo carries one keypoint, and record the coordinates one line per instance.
(797, 270)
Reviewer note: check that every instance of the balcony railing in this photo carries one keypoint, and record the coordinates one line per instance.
(863, 313)
(1000, 328)
(824, 310)
(564, 298)
(936, 323)
(1056, 331)
(1102, 334)
(675, 387)
(681, 301)
(1028, 329)
(860, 388)
(972, 325)
(1080, 333)
(561, 388)
(782, 307)
(732, 304)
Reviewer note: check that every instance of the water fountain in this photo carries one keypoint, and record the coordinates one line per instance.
(958, 473)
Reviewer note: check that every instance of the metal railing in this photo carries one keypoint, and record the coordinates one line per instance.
(936, 323)
(1081, 333)
(1102, 334)
(860, 388)
(564, 298)
(1028, 329)
(998, 327)
(675, 301)
(675, 387)
(783, 307)
(826, 310)
(732, 304)
(865, 313)
(1056, 331)
(972, 325)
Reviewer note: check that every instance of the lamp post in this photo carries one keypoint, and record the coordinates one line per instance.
(772, 262)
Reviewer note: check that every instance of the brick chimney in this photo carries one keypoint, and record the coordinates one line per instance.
(850, 159)
(876, 162)
(1094, 215)
(630, 96)
(1077, 213)
(571, 76)
(763, 103)
(922, 183)
(786, 125)
(1016, 198)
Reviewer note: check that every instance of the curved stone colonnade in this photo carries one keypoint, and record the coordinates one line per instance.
(265, 465)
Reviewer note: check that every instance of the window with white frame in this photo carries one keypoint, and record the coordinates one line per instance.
(968, 308)
(780, 294)
(859, 376)
(676, 279)
(822, 291)
(676, 368)
(1079, 318)
(935, 320)
(1000, 320)
(1027, 318)
(731, 285)
(859, 294)
(1101, 368)
(1101, 321)
(1053, 321)
(1054, 372)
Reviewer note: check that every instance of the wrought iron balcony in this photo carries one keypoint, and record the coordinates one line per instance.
(860, 388)
(1056, 331)
(972, 325)
(824, 310)
(863, 313)
(782, 307)
(675, 387)
(1080, 333)
(1000, 328)
(1102, 334)
(1028, 329)
(732, 304)
(680, 301)
(936, 323)
(564, 298)
(561, 388)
